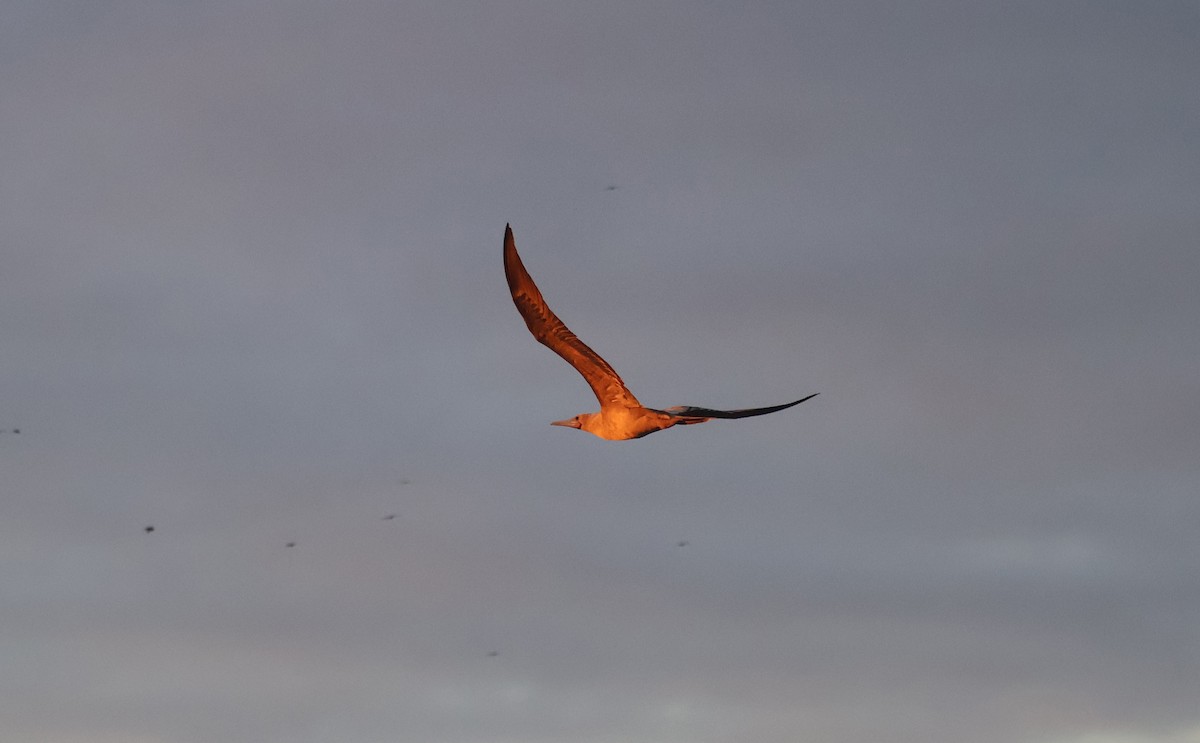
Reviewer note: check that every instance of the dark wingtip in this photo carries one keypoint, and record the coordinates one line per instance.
(512, 262)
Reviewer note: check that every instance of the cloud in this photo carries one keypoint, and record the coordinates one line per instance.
(1186, 735)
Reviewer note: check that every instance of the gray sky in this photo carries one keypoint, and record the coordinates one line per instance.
(252, 294)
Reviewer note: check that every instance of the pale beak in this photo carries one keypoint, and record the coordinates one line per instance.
(568, 423)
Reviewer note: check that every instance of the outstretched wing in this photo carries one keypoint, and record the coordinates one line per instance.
(688, 411)
(552, 333)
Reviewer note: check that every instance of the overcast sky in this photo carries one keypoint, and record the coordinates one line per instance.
(251, 294)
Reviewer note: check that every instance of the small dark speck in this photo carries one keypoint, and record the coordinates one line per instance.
(16, 430)
(682, 543)
(405, 481)
(389, 517)
(290, 544)
(493, 653)
(612, 188)
(149, 529)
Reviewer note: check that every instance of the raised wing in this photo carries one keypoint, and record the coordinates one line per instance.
(687, 411)
(552, 333)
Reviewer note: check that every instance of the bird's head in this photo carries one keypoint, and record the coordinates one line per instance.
(576, 422)
(580, 421)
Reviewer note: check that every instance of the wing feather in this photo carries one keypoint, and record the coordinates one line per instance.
(688, 411)
(552, 333)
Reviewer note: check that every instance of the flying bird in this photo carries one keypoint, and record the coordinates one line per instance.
(621, 416)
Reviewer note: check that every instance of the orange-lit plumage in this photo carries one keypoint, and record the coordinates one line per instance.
(621, 416)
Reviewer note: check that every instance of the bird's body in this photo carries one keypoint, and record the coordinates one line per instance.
(621, 416)
(617, 422)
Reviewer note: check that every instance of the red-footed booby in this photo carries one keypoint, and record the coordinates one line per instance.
(621, 416)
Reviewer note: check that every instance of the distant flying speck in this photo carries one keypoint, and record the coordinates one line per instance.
(149, 529)
(621, 416)
(389, 517)
(682, 543)
(493, 653)
(612, 188)
(290, 544)
(405, 481)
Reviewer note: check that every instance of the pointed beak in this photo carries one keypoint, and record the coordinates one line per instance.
(568, 423)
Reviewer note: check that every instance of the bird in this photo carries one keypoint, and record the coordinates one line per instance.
(621, 417)
(149, 529)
